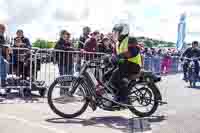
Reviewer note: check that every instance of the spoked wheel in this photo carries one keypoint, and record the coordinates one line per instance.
(65, 105)
(144, 99)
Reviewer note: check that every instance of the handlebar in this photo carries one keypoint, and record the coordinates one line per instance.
(191, 59)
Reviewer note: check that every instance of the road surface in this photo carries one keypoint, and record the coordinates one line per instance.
(181, 115)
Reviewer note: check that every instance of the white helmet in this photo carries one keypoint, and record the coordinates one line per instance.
(122, 28)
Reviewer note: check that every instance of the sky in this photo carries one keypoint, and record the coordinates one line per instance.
(150, 18)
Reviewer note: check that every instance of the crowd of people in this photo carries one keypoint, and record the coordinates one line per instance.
(127, 53)
(89, 41)
(161, 61)
(20, 41)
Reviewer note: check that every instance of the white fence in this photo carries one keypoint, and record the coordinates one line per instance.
(37, 68)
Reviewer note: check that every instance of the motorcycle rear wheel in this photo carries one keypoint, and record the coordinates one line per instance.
(153, 91)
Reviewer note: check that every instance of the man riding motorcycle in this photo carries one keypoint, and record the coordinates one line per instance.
(192, 52)
(127, 58)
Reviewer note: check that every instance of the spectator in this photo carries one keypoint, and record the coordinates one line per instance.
(112, 42)
(91, 43)
(147, 59)
(4, 46)
(4, 54)
(84, 37)
(166, 63)
(20, 56)
(21, 41)
(2, 31)
(156, 59)
(101, 37)
(65, 59)
(105, 46)
(81, 44)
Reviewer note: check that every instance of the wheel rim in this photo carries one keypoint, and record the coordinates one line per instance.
(66, 104)
(142, 99)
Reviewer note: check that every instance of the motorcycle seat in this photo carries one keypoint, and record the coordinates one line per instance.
(140, 74)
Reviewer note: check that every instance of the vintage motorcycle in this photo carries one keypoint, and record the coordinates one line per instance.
(144, 96)
(192, 77)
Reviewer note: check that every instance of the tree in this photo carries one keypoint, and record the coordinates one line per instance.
(148, 43)
(170, 44)
(39, 43)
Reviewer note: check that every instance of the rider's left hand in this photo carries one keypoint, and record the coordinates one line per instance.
(114, 59)
(117, 59)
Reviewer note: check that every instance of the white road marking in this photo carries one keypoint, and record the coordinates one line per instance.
(33, 124)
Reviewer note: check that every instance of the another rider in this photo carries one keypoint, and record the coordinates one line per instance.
(127, 58)
(192, 52)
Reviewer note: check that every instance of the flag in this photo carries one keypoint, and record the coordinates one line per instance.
(181, 32)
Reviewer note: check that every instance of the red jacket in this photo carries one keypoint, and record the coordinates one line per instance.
(90, 45)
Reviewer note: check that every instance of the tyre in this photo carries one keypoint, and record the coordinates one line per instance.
(65, 114)
(145, 95)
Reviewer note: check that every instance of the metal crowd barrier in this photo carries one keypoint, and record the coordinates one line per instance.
(16, 66)
(58, 62)
(36, 69)
(158, 64)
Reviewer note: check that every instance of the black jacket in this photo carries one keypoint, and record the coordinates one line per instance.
(25, 41)
(190, 52)
(17, 52)
(2, 47)
(82, 40)
(64, 57)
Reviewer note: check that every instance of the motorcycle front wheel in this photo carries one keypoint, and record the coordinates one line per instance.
(65, 105)
(144, 99)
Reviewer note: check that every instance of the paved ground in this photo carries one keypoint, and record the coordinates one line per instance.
(181, 115)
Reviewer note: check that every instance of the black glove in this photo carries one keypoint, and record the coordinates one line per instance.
(117, 59)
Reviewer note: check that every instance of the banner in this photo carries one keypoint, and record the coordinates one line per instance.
(181, 33)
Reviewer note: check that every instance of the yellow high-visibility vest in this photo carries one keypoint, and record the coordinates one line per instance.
(124, 48)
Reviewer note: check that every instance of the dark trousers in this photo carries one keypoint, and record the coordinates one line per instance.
(123, 71)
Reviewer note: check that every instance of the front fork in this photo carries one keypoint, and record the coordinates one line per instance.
(75, 85)
(86, 92)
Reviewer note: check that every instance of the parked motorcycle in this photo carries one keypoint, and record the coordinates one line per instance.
(144, 96)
